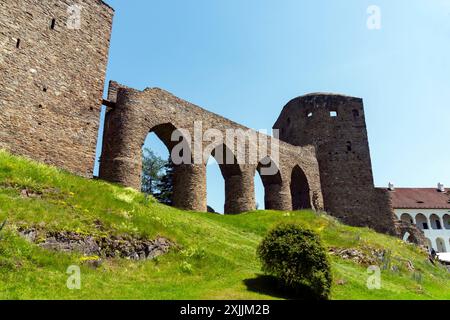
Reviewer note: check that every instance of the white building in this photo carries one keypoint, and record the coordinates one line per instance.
(428, 209)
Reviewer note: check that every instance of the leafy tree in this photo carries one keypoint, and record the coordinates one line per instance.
(297, 257)
(165, 184)
(152, 171)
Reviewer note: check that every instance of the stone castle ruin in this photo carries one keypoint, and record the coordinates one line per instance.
(53, 58)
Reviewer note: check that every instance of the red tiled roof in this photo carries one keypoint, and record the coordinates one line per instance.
(420, 198)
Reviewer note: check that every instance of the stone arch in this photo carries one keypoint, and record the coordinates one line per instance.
(446, 221)
(272, 182)
(164, 132)
(300, 190)
(131, 114)
(407, 236)
(422, 221)
(239, 190)
(440, 245)
(435, 222)
(186, 174)
(411, 237)
(406, 217)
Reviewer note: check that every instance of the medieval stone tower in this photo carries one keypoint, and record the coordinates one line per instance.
(53, 57)
(335, 125)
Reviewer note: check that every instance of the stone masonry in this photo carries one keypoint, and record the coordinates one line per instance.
(53, 58)
(52, 79)
(335, 125)
(136, 113)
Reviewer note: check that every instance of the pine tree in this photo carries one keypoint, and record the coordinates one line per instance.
(165, 184)
(152, 167)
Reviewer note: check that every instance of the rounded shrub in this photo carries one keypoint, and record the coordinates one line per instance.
(298, 259)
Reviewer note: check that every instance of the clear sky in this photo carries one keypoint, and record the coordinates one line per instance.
(244, 59)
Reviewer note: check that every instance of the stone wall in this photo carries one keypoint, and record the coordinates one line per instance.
(52, 79)
(136, 113)
(335, 125)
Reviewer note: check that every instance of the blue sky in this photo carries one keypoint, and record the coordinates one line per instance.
(244, 59)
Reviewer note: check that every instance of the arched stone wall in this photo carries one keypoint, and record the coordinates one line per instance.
(405, 217)
(134, 113)
(300, 192)
(273, 184)
(410, 233)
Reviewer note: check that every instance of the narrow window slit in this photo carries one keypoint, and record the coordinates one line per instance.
(18, 44)
(53, 25)
(349, 146)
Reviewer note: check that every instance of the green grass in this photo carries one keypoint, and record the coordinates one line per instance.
(216, 258)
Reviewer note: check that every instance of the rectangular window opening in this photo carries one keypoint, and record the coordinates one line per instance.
(18, 44)
(53, 25)
(333, 114)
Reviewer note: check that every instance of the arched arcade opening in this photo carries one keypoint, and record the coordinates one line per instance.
(239, 194)
(300, 191)
(271, 180)
(440, 245)
(422, 222)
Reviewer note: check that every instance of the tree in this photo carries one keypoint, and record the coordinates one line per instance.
(165, 184)
(152, 171)
(298, 259)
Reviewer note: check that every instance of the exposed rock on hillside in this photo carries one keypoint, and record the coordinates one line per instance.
(107, 247)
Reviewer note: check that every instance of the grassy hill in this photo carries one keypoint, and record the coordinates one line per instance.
(214, 258)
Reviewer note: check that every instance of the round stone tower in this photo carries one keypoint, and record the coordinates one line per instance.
(335, 125)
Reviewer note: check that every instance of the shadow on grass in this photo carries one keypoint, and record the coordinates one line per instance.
(271, 286)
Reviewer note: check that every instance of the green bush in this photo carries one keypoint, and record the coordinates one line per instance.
(298, 259)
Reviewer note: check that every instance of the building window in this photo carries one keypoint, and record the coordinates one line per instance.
(349, 146)
(53, 24)
(422, 222)
(435, 222)
(333, 114)
(18, 44)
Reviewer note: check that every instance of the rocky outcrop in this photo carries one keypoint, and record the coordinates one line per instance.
(105, 247)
